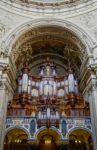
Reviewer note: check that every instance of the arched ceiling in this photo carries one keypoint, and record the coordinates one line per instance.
(16, 133)
(59, 43)
(80, 134)
(49, 132)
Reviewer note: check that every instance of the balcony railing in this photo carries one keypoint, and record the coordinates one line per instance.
(17, 112)
(71, 122)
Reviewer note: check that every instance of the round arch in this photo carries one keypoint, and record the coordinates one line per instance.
(79, 128)
(17, 127)
(16, 138)
(13, 36)
(82, 37)
(52, 131)
(80, 138)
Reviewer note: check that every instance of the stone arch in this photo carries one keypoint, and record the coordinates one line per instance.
(13, 36)
(18, 127)
(79, 128)
(15, 138)
(11, 45)
(44, 130)
(80, 138)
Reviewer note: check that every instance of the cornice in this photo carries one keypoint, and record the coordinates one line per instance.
(28, 8)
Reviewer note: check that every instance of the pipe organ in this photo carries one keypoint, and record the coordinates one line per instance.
(47, 84)
(47, 96)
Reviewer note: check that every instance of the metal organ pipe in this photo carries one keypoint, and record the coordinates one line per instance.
(39, 115)
(45, 88)
(50, 90)
(54, 88)
(57, 115)
(41, 87)
(42, 116)
(19, 85)
(51, 117)
(66, 86)
(45, 116)
(29, 85)
(24, 82)
(76, 86)
(48, 113)
(71, 83)
(33, 83)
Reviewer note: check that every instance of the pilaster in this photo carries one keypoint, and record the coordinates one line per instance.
(92, 95)
(7, 86)
(3, 106)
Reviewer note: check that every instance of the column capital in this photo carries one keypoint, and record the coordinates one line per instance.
(93, 69)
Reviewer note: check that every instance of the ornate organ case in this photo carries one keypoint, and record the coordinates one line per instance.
(47, 96)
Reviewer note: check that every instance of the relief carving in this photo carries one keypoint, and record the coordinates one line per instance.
(25, 42)
(2, 29)
(47, 3)
(88, 20)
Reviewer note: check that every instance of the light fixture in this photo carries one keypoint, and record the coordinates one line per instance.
(77, 141)
(47, 141)
(17, 141)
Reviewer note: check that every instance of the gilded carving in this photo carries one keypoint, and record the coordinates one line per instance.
(2, 29)
(26, 41)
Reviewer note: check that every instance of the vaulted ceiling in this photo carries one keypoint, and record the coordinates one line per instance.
(62, 45)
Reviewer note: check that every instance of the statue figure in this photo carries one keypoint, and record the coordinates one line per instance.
(47, 70)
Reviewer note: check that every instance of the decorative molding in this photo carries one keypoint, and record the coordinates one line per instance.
(71, 123)
(67, 7)
(33, 28)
